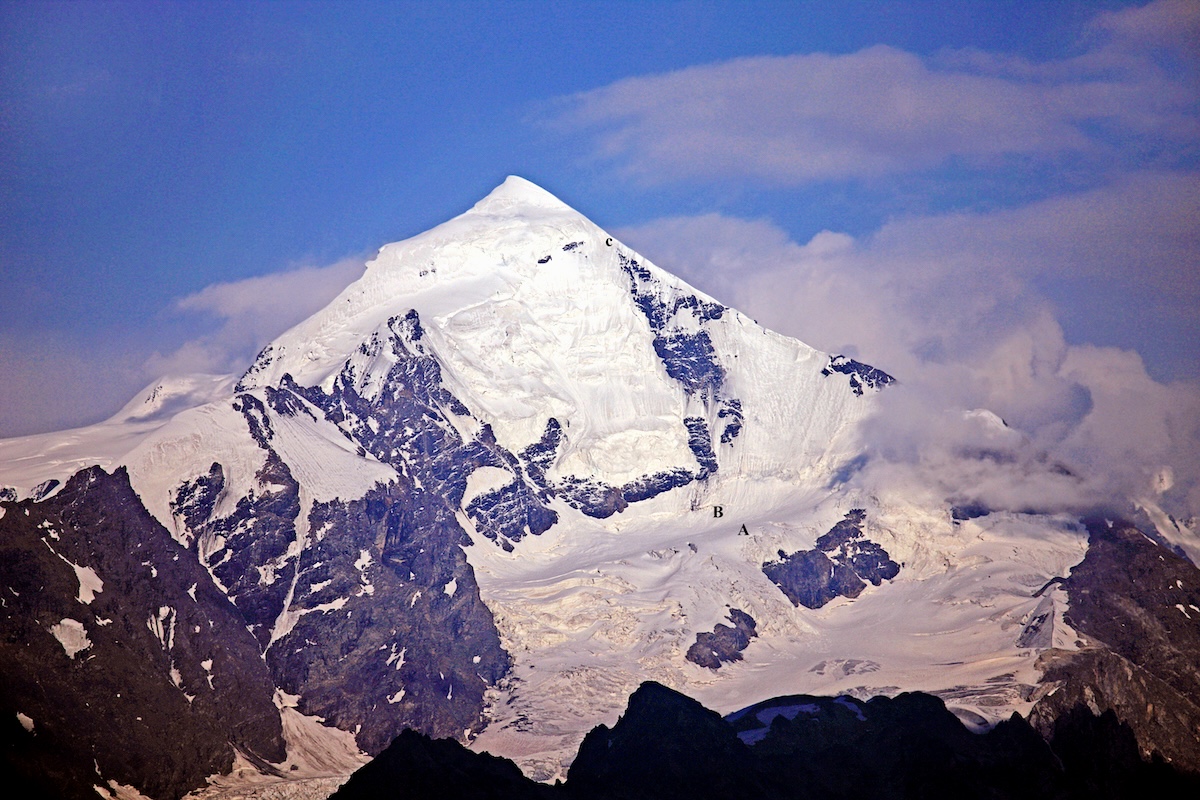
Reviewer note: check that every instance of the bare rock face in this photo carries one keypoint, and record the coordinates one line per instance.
(390, 631)
(842, 563)
(1160, 721)
(1139, 602)
(725, 643)
(121, 659)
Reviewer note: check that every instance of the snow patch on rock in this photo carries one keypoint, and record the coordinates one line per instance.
(71, 635)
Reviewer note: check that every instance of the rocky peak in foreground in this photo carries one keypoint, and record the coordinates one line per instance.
(146, 676)
(1137, 601)
(667, 746)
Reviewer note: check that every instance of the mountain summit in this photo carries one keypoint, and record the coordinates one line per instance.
(502, 479)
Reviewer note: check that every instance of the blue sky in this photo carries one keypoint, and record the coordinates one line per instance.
(953, 190)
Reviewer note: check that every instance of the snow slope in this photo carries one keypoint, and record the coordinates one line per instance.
(27, 462)
(528, 309)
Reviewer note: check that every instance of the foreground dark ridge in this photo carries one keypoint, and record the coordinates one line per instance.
(668, 746)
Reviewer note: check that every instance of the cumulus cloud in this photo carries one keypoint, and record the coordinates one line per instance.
(956, 307)
(1119, 263)
(817, 116)
(250, 313)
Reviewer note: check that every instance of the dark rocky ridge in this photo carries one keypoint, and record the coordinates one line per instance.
(1144, 666)
(668, 747)
(158, 714)
(416, 767)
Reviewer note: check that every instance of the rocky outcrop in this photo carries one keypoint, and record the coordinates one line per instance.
(840, 565)
(862, 376)
(1138, 603)
(724, 644)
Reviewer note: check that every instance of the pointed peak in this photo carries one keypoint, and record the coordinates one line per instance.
(515, 194)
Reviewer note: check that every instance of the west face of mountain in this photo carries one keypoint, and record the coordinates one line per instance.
(505, 477)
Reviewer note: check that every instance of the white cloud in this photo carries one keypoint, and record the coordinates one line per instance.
(1140, 227)
(955, 307)
(1162, 24)
(812, 117)
(251, 313)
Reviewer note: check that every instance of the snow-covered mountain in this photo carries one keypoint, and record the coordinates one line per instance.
(503, 478)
